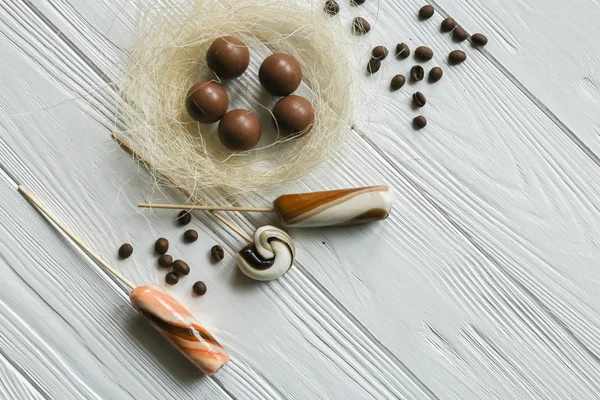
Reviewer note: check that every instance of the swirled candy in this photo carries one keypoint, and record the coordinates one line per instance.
(269, 257)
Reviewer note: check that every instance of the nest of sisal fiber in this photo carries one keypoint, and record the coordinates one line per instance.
(168, 56)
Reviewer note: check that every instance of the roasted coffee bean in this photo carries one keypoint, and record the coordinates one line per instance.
(217, 253)
(417, 73)
(171, 278)
(199, 288)
(426, 12)
(165, 261)
(397, 82)
(357, 2)
(180, 268)
(190, 235)
(479, 40)
(456, 57)
(184, 217)
(423, 53)
(380, 52)
(420, 122)
(419, 99)
(448, 24)
(402, 51)
(459, 34)
(125, 250)
(360, 26)
(435, 74)
(332, 7)
(161, 246)
(373, 65)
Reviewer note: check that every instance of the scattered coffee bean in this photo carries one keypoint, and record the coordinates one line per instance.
(125, 250)
(419, 99)
(380, 52)
(217, 253)
(456, 57)
(360, 26)
(161, 246)
(417, 73)
(184, 217)
(459, 34)
(357, 2)
(199, 288)
(190, 235)
(420, 122)
(448, 24)
(479, 40)
(171, 278)
(435, 74)
(165, 261)
(397, 82)
(332, 7)
(423, 53)
(426, 12)
(180, 268)
(373, 65)
(402, 51)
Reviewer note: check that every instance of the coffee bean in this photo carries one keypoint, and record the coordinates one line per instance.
(419, 122)
(357, 2)
(161, 246)
(417, 73)
(360, 26)
(199, 288)
(380, 52)
(190, 235)
(479, 40)
(125, 250)
(184, 217)
(180, 268)
(332, 7)
(456, 57)
(402, 51)
(397, 82)
(165, 261)
(426, 12)
(435, 74)
(448, 24)
(171, 278)
(423, 53)
(217, 253)
(459, 34)
(373, 65)
(419, 99)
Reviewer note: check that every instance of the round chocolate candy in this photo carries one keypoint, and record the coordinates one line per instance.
(171, 278)
(190, 235)
(199, 288)
(293, 115)
(206, 102)
(125, 250)
(184, 217)
(239, 130)
(228, 57)
(280, 74)
(165, 261)
(161, 246)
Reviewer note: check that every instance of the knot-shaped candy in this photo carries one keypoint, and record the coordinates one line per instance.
(269, 257)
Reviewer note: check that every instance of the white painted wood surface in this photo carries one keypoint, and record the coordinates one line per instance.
(481, 285)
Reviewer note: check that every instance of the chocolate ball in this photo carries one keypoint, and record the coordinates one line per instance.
(239, 130)
(280, 74)
(206, 102)
(228, 57)
(293, 115)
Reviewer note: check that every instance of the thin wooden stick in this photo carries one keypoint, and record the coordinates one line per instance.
(206, 208)
(127, 146)
(40, 207)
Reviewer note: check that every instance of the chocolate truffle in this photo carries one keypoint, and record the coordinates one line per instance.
(228, 57)
(280, 74)
(239, 130)
(206, 102)
(293, 115)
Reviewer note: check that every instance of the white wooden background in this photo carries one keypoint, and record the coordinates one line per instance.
(481, 285)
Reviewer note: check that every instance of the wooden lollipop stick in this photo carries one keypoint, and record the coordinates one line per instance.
(206, 208)
(45, 212)
(127, 146)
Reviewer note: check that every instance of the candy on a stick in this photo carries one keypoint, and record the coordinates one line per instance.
(269, 257)
(330, 208)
